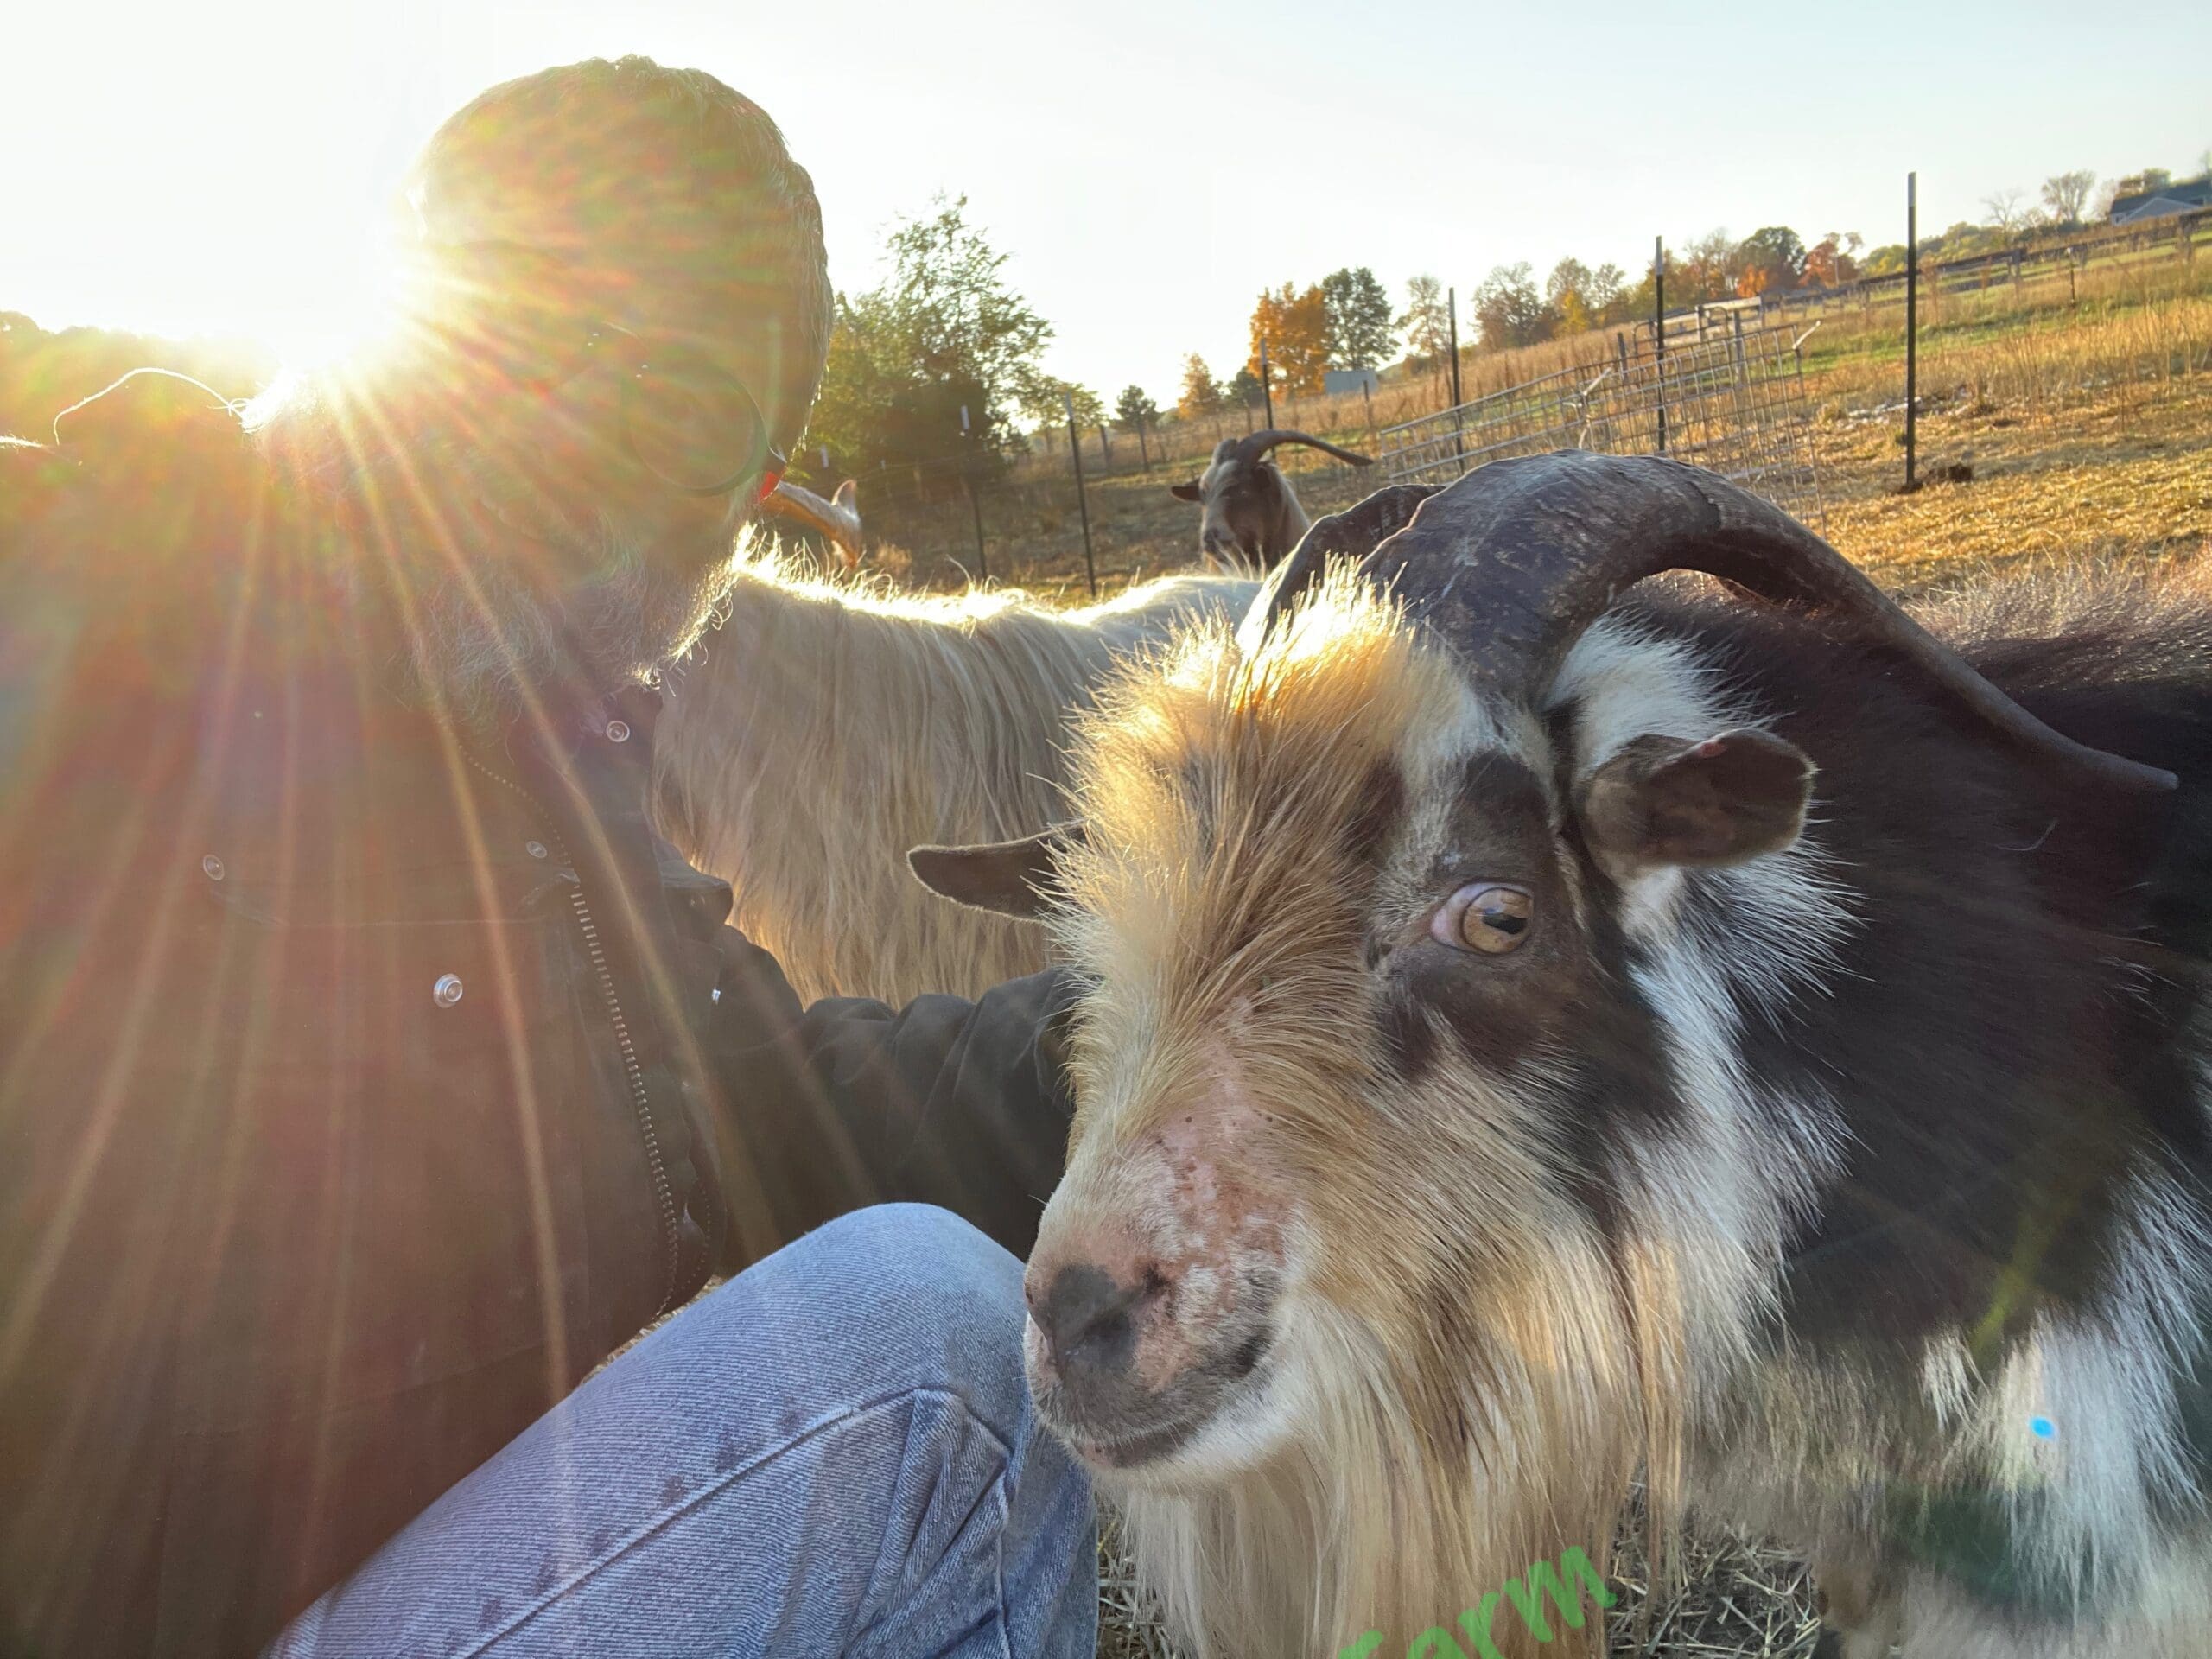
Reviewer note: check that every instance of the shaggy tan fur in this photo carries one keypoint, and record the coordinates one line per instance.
(823, 728)
(1465, 1389)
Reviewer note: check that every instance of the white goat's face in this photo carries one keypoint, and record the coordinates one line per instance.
(1358, 942)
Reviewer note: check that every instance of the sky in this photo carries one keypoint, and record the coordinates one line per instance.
(223, 166)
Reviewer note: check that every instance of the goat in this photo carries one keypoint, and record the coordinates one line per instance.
(838, 518)
(827, 726)
(1539, 1032)
(1249, 515)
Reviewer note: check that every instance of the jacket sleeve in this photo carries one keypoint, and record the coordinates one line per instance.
(825, 1108)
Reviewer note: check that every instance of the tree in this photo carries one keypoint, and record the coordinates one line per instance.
(2066, 195)
(1046, 405)
(2006, 212)
(1426, 323)
(1833, 260)
(1296, 329)
(943, 331)
(1508, 309)
(1134, 407)
(1358, 310)
(1244, 387)
(1770, 260)
(1201, 391)
(1885, 261)
(1703, 269)
(1581, 298)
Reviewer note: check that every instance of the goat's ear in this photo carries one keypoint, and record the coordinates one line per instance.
(1662, 800)
(1014, 877)
(1189, 491)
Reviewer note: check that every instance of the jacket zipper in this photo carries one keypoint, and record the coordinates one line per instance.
(640, 1103)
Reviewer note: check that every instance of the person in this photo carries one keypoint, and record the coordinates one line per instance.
(371, 1072)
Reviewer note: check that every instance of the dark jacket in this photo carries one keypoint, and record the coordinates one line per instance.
(363, 1081)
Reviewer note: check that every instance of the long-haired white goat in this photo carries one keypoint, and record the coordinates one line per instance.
(826, 726)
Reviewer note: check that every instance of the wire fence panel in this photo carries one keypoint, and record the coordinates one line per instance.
(1731, 399)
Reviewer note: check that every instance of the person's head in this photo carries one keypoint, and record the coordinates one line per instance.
(618, 315)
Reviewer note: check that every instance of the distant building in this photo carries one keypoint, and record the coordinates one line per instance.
(1335, 380)
(2163, 202)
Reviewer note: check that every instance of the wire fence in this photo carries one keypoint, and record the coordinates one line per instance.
(1732, 401)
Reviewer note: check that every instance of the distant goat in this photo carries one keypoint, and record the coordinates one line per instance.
(838, 518)
(1251, 517)
(825, 726)
(1541, 1033)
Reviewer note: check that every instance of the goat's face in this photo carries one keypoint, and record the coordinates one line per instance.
(1242, 509)
(1358, 938)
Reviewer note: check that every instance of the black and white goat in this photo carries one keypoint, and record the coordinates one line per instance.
(1542, 1032)
(1250, 516)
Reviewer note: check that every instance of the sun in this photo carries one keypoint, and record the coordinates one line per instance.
(345, 309)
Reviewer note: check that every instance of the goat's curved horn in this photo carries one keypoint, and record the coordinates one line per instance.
(1512, 562)
(1352, 534)
(1253, 445)
(839, 520)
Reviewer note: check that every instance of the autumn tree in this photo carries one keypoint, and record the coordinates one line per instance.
(2066, 195)
(1426, 323)
(1508, 309)
(1295, 326)
(1202, 393)
(1703, 269)
(1358, 309)
(1580, 298)
(1833, 260)
(1769, 261)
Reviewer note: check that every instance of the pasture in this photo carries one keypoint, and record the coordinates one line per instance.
(2048, 432)
(2086, 420)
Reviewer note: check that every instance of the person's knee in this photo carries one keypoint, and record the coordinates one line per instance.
(927, 1294)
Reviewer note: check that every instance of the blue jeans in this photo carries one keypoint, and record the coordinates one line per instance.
(833, 1453)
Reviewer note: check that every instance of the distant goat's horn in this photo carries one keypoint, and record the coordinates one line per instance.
(1252, 446)
(1513, 562)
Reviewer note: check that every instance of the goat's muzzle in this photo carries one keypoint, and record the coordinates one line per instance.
(1130, 1354)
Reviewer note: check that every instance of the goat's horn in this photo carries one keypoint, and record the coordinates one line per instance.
(1255, 444)
(836, 520)
(1513, 562)
(1352, 534)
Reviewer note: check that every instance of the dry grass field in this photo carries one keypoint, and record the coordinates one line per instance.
(2085, 416)
(2053, 431)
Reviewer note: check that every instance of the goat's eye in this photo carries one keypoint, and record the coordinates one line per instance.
(1488, 915)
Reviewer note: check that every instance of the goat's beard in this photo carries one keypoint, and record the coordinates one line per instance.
(472, 630)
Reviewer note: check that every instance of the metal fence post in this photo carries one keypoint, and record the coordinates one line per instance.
(1451, 311)
(1659, 329)
(975, 501)
(1082, 496)
(1267, 382)
(1911, 317)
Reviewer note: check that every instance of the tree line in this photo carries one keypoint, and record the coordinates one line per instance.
(945, 333)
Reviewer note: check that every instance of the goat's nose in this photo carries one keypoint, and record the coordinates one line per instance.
(1087, 1317)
